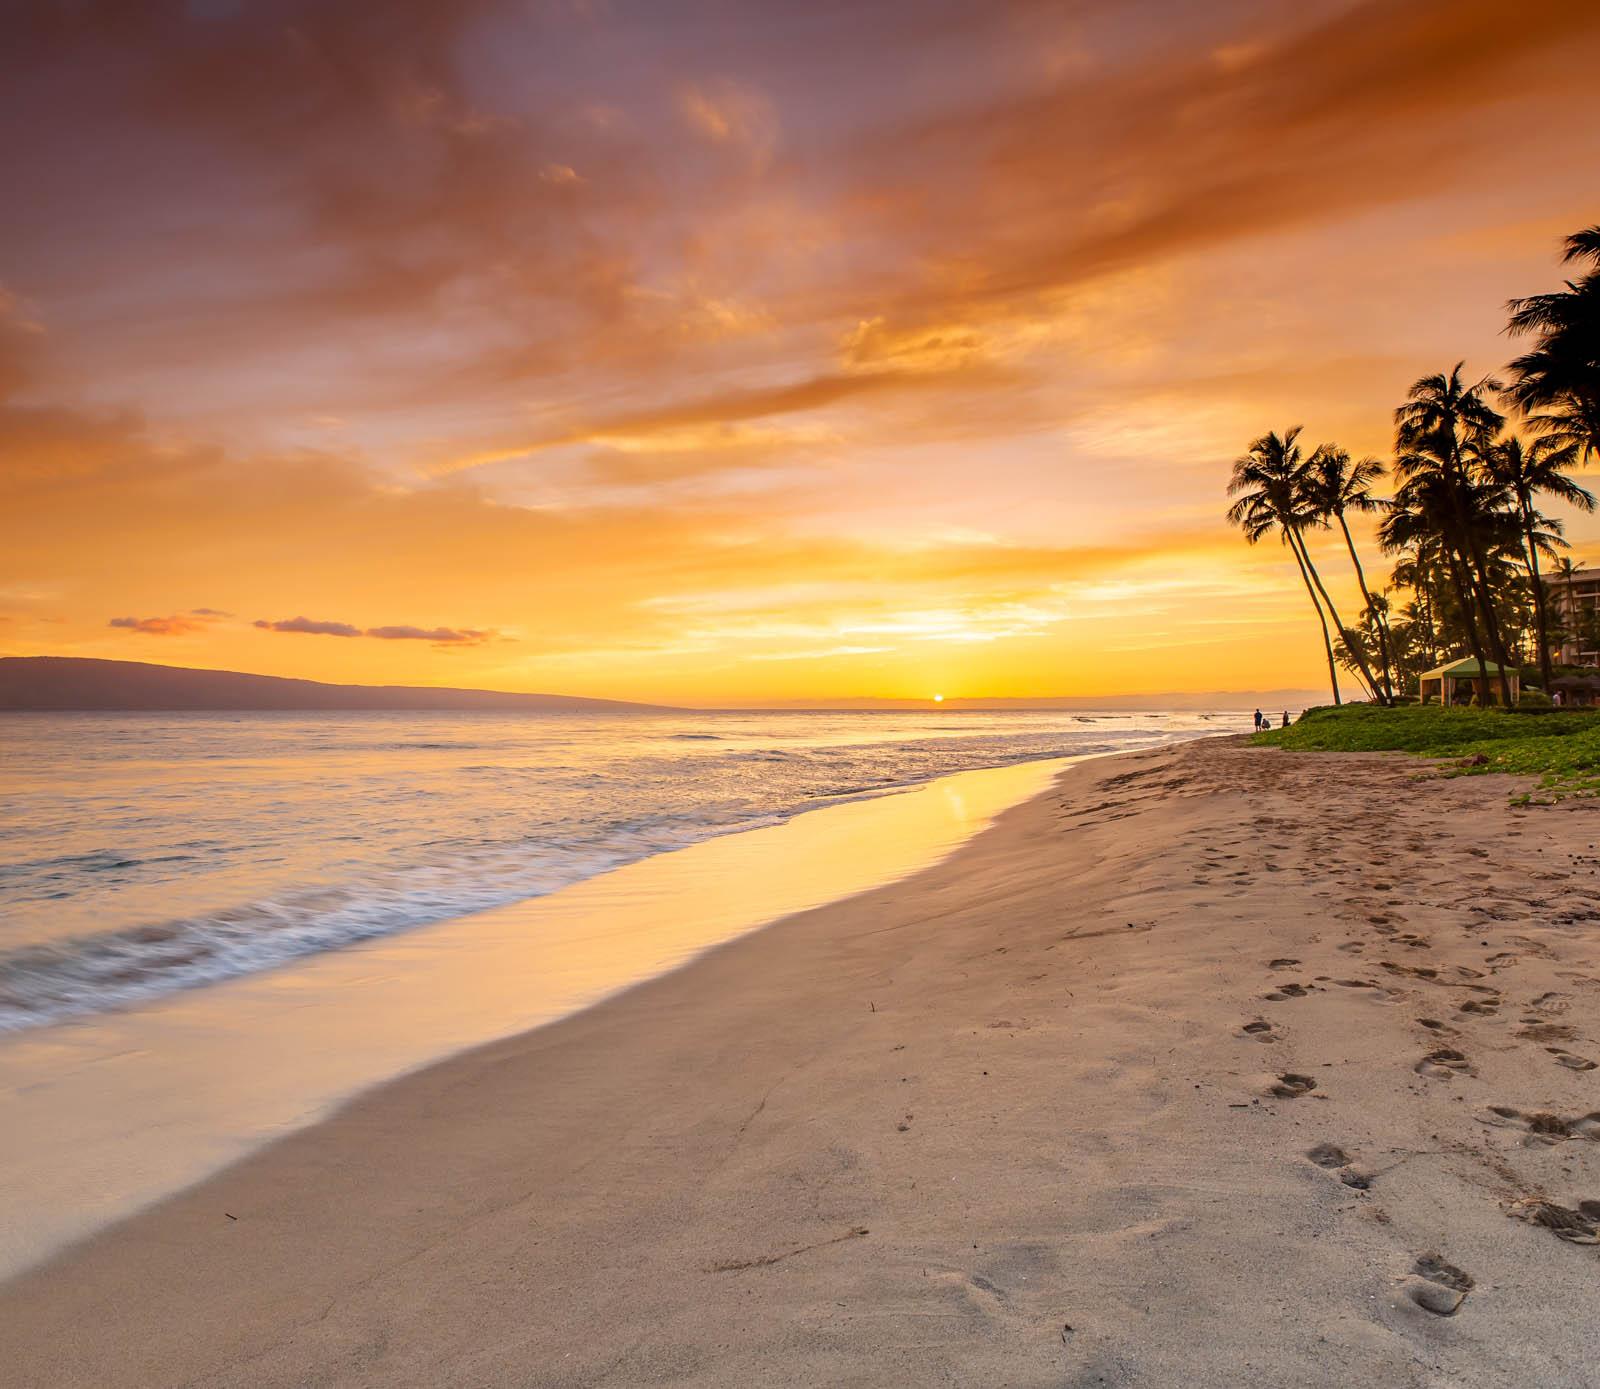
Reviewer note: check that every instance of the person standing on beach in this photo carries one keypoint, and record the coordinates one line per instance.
(1285, 718)
(1259, 721)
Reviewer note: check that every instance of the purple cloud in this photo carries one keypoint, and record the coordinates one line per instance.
(306, 624)
(175, 626)
(463, 636)
(439, 636)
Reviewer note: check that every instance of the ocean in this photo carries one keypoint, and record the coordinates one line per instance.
(142, 854)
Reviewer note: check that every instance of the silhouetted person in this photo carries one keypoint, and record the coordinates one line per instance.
(1285, 718)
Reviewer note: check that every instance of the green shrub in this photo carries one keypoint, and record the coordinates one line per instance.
(1535, 699)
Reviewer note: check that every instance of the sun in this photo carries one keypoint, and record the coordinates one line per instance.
(938, 699)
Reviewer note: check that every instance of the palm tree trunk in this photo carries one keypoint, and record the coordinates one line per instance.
(1474, 641)
(1333, 612)
(1540, 621)
(1491, 623)
(1327, 641)
(1478, 575)
(1436, 584)
(1377, 621)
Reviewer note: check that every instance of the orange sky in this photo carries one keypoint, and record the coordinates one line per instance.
(735, 352)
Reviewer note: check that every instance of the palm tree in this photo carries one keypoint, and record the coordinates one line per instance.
(1528, 473)
(1444, 428)
(1419, 521)
(1335, 486)
(1557, 383)
(1266, 483)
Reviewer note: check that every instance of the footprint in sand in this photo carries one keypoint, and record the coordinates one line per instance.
(1549, 1003)
(1416, 971)
(1581, 1226)
(1571, 1062)
(1436, 1285)
(1284, 991)
(1443, 1064)
(1290, 1086)
(1281, 963)
(1543, 1126)
(1537, 1031)
(1434, 1025)
(1259, 1031)
(1481, 1007)
(1333, 1158)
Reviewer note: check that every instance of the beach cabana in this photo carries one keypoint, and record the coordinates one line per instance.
(1443, 680)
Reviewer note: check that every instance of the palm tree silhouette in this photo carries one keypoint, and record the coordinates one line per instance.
(1421, 520)
(1335, 484)
(1267, 485)
(1528, 473)
(1557, 383)
(1443, 429)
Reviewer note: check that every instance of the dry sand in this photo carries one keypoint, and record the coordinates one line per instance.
(1212, 1066)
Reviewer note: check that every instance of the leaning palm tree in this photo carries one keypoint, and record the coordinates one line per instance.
(1336, 485)
(1444, 428)
(1558, 382)
(1528, 473)
(1267, 486)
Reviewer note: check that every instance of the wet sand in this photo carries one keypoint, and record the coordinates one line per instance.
(1210, 1066)
(104, 1116)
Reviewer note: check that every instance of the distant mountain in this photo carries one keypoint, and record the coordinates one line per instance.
(71, 682)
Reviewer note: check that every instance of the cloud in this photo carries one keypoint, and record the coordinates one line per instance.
(18, 344)
(439, 636)
(1039, 278)
(732, 407)
(1175, 151)
(395, 215)
(175, 626)
(726, 112)
(178, 625)
(442, 636)
(310, 626)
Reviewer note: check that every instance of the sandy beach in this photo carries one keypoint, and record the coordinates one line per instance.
(1210, 1066)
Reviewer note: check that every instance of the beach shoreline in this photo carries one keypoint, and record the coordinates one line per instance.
(1210, 1064)
(113, 1112)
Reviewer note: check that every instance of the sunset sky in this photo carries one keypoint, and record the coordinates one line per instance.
(738, 352)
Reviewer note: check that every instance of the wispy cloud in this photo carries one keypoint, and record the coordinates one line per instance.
(176, 626)
(753, 327)
(442, 636)
(439, 636)
(309, 626)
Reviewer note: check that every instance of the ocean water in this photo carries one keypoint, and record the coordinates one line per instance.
(145, 853)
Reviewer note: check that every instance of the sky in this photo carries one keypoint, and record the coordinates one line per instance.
(729, 352)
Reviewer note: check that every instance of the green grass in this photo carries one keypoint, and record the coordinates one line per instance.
(1561, 748)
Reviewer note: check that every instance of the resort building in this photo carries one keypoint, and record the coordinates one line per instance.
(1577, 602)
